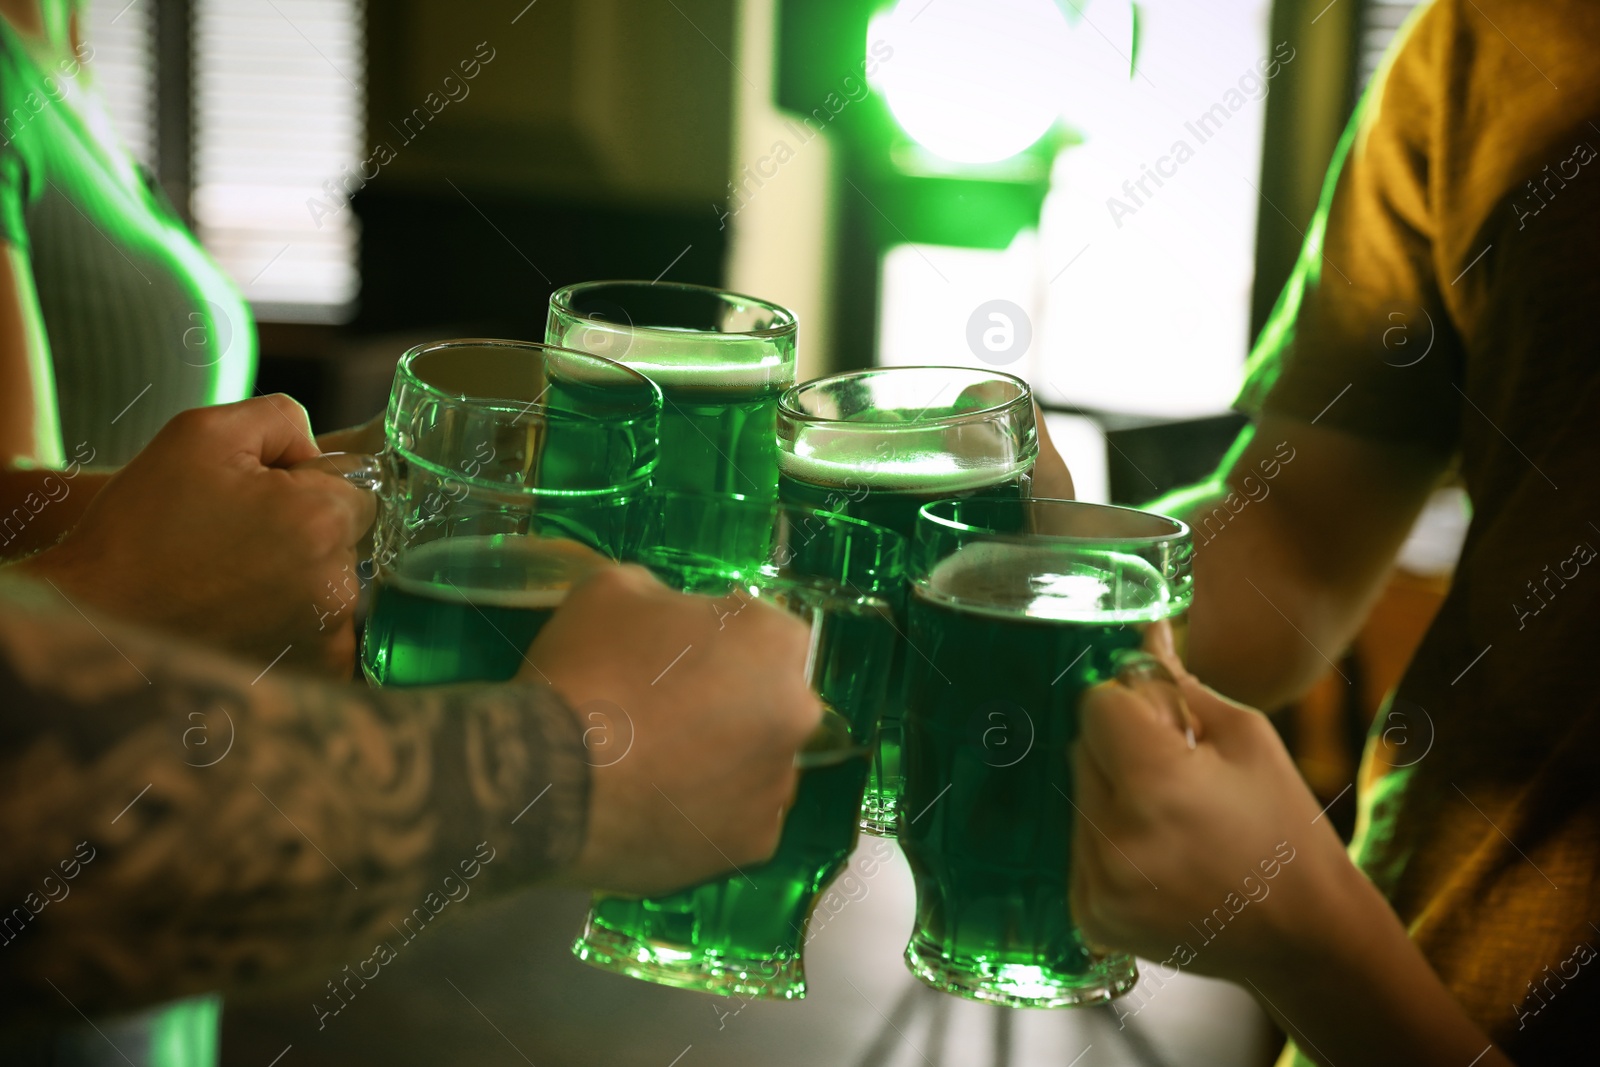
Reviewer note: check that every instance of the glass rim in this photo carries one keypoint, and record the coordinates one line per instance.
(1180, 530)
(404, 368)
(786, 321)
(788, 410)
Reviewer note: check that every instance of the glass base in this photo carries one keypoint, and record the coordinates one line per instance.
(879, 816)
(1016, 985)
(769, 977)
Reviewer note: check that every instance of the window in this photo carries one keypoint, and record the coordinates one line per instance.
(1380, 21)
(1148, 236)
(123, 64)
(1137, 284)
(277, 115)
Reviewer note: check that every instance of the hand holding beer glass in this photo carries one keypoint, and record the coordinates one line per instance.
(510, 477)
(515, 473)
(506, 479)
(744, 933)
(209, 491)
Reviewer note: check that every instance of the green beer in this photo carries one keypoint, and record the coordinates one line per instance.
(893, 508)
(1014, 632)
(495, 435)
(465, 609)
(721, 360)
(717, 435)
(745, 933)
(876, 445)
(501, 461)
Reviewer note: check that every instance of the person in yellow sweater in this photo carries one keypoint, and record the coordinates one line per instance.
(1440, 323)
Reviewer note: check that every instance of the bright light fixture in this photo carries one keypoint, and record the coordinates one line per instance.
(973, 81)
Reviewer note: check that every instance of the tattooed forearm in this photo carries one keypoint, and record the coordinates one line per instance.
(243, 830)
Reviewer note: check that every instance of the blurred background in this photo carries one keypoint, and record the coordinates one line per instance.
(1102, 197)
(1135, 180)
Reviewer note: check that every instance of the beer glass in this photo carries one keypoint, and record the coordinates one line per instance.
(1020, 606)
(879, 444)
(506, 477)
(721, 360)
(744, 934)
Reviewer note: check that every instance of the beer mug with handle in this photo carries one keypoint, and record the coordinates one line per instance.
(507, 475)
(1018, 607)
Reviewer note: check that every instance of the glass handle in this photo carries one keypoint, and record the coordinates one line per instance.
(360, 469)
(830, 744)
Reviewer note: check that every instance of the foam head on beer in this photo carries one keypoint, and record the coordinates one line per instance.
(930, 472)
(720, 359)
(1040, 580)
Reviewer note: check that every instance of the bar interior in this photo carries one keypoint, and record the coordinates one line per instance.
(691, 533)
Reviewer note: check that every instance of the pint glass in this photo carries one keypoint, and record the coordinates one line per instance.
(721, 360)
(744, 934)
(879, 444)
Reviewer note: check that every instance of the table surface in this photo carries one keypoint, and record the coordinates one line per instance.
(498, 985)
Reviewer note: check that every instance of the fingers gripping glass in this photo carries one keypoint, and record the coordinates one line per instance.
(507, 475)
(878, 445)
(1019, 606)
(745, 934)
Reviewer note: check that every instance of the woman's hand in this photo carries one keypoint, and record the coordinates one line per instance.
(1220, 847)
(1211, 855)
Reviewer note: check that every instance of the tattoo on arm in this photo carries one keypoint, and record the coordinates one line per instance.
(223, 831)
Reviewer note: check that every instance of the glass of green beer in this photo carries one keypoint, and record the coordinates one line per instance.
(879, 444)
(721, 360)
(507, 476)
(745, 933)
(1020, 607)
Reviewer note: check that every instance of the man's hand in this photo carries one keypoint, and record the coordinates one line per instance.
(205, 534)
(693, 710)
(1219, 847)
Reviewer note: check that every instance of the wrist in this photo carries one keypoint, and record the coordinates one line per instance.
(1359, 920)
(1356, 988)
(1345, 938)
(601, 743)
(1340, 925)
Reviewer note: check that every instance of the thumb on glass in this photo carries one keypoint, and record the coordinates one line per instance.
(1153, 672)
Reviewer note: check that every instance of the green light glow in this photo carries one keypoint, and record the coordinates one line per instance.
(973, 81)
